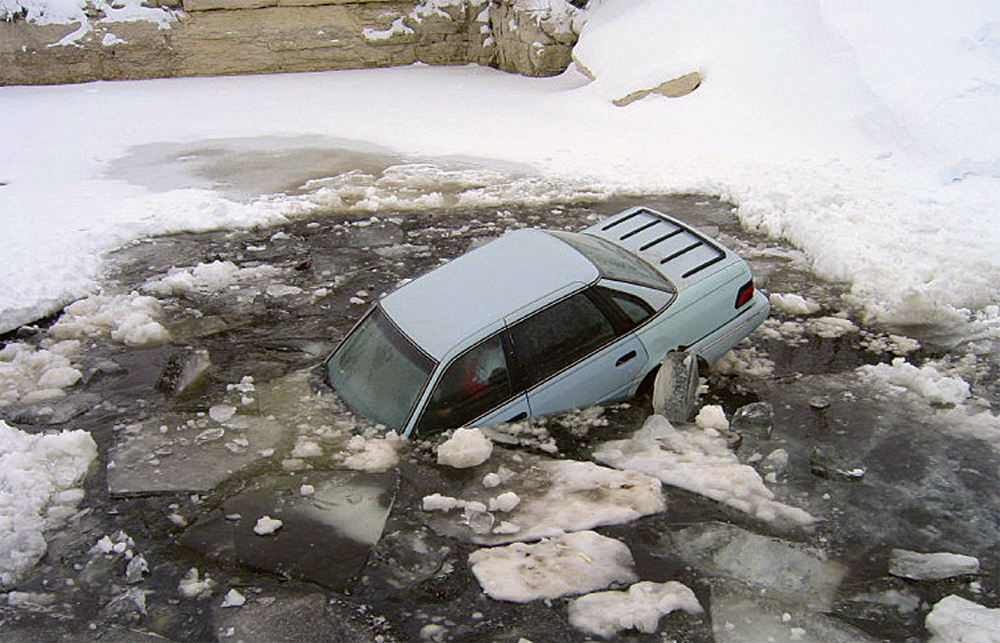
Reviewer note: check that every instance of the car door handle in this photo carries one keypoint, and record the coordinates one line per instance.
(626, 357)
(518, 417)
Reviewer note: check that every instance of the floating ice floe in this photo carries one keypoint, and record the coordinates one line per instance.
(640, 608)
(552, 497)
(698, 460)
(571, 564)
(930, 567)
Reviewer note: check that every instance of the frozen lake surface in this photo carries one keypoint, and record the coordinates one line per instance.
(228, 469)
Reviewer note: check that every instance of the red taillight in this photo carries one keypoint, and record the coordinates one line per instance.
(745, 294)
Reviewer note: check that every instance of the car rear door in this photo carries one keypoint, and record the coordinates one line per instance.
(575, 353)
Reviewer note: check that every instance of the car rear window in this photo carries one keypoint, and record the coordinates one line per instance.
(614, 262)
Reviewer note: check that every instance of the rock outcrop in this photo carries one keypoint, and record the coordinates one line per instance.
(214, 37)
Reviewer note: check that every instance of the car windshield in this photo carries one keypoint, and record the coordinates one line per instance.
(614, 262)
(379, 372)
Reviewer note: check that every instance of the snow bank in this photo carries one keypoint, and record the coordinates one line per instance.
(699, 461)
(957, 620)
(129, 319)
(29, 374)
(575, 563)
(925, 381)
(39, 488)
(605, 614)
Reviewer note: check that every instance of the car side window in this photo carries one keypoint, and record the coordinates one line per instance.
(635, 309)
(475, 382)
(559, 335)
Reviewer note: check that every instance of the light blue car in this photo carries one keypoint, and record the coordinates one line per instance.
(538, 322)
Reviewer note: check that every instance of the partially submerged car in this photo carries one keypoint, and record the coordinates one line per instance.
(538, 322)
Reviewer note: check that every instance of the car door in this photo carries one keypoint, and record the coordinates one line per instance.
(476, 388)
(574, 353)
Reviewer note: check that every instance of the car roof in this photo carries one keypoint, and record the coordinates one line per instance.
(447, 305)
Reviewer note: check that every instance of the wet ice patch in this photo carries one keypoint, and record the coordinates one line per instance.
(700, 461)
(795, 573)
(605, 614)
(925, 381)
(40, 476)
(568, 565)
(29, 374)
(130, 319)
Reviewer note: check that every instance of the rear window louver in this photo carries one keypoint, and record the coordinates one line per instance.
(659, 239)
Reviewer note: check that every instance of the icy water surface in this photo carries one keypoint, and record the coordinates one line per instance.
(208, 439)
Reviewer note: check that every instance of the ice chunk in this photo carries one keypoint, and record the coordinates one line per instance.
(373, 454)
(267, 525)
(640, 607)
(35, 472)
(792, 304)
(699, 461)
(925, 381)
(183, 371)
(222, 412)
(192, 586)
(233, 599)
(712, 417)
(466, 448)
(957, 620)
(30, 374)
(130, 319)
(571, 564)
(930, 567)
(505, 502)
(676, 386)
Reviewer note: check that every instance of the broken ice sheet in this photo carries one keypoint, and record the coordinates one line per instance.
(738, 617)
(555, 496)
(174, 453)
(779, 568)
(325, 536)
(700, 461)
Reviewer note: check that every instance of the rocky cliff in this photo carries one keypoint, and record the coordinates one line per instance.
(212, 37)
